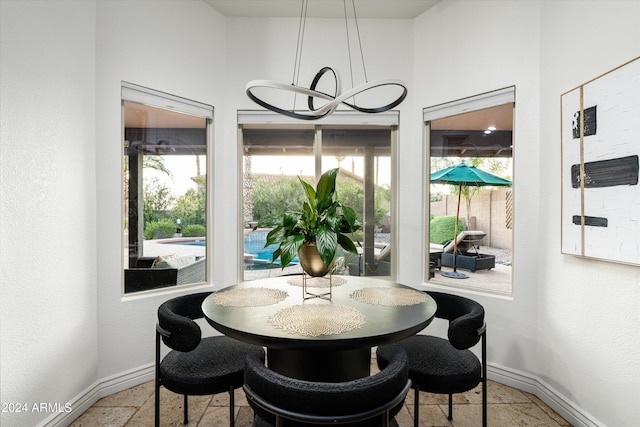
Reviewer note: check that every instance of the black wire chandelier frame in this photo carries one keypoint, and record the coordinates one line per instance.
(333, 100)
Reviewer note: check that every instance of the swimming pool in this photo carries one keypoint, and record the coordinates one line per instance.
(260, 257)
(254, 245)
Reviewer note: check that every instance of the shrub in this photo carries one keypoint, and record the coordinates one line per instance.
(160, 229)
(194, 230)
(442, 229)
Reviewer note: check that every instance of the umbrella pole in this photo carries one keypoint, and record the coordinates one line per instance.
(454, 274)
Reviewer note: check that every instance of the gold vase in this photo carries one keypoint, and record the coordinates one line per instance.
(311, 261)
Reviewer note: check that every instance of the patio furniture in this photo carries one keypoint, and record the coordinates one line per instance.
(467, 256)
(372, 401)
(446, 366)
(145, 276)
(196, 365)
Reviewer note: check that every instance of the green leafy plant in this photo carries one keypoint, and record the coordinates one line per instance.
(160, 229)
(443, 229)
(194, 230)
(322, 220)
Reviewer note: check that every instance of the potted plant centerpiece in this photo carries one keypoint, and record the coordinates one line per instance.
(315, 231)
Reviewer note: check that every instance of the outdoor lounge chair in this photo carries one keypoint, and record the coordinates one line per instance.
(144, 277)
(467, 256)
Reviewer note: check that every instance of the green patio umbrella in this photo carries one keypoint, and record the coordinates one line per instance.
(464, 175)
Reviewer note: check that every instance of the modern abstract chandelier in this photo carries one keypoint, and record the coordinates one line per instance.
(332, 101)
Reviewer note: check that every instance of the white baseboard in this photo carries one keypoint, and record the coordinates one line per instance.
(501, 374)
(99, 389)
(567, 409)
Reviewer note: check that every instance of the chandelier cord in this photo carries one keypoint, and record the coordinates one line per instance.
(298, 60)
(355, 18)
(346, 25)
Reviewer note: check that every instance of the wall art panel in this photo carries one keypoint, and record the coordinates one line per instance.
(600, 135)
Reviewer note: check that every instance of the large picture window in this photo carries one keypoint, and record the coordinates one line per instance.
(275, 155)
(474, 134)
(165, 165)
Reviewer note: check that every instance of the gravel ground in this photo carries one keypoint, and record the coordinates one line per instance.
(503, 256)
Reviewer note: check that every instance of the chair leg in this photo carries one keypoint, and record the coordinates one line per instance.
(484, 403)
(157, 404)
(232, 411)
(450, 406)
(484, 379)
(416, 406)
(186, 409)
(157, 383)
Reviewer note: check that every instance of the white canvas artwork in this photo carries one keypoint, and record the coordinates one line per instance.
(600, 169)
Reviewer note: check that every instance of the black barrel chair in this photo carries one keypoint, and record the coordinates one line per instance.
(438, 365)
(371, 401)
(196, 365)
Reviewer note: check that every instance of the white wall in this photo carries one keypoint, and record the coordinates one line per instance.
(48, 204)
(465, 48)
(178, 48)
(572, 325)
(588, 311)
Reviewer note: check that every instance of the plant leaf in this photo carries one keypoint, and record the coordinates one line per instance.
(309, 191)
(326, 188)
(275, 255)
(309, 217)
(347, 243)
(334, 223)
(289, 248)
(350, 215)
(290, 219)
(327, 243)
(275, 236)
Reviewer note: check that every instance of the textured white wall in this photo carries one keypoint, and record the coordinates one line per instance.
(178, 48)
(464, 48)
(48, 205)
(588, 311)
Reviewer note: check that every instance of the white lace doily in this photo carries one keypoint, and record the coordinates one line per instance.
(389, 296)
(317, 319)
(249, 297)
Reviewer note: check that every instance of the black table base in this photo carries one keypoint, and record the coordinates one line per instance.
(319, 365)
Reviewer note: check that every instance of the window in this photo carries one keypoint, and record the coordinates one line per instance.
(476, 131)
(276, 152)
(164, 198)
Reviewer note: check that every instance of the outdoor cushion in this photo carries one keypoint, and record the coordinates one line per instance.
(175, 262)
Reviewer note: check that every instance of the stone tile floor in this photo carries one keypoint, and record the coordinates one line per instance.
(507, 407)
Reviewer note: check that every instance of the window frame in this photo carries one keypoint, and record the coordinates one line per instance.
(157, 99)
(499, 97)
(389, 119)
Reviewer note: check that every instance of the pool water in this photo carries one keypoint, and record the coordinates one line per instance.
(254, 245)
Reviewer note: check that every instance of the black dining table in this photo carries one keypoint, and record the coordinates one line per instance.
(316, 339)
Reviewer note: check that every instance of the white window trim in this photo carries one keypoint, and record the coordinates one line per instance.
(144, 95)
(494, 98)
(387, 118)
(477, 102)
